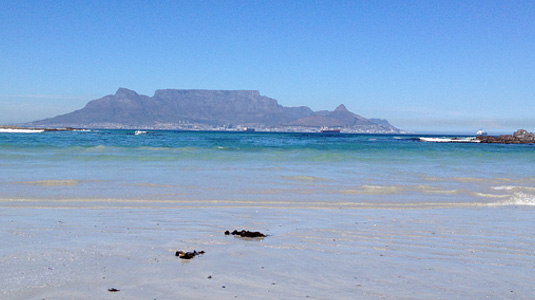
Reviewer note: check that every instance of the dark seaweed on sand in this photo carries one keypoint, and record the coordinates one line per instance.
(246, 233)
(188, 255)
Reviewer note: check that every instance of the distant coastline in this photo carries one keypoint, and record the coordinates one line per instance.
(210, 110)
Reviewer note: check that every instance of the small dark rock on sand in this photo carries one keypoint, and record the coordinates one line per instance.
(246, 233)
(188, 255)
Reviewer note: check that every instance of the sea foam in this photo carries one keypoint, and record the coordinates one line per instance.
(518, 199)
(513, 188)
(17, 130)
(448, 140)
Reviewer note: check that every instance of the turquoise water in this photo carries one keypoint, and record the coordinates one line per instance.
(256, 168)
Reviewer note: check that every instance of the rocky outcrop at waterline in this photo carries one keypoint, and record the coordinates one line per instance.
(520, 136)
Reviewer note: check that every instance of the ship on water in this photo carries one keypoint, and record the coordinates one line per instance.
(325, 129)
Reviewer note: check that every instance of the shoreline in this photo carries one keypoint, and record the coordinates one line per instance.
(135, 204)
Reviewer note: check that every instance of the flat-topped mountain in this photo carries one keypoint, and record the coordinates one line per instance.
(208, 109)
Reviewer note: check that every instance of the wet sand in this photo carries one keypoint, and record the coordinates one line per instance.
(335, 253)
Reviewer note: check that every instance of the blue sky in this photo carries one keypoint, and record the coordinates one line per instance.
(444, 66)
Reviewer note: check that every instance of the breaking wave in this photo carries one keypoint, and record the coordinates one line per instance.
(448, 140)
(514, 188)
(517, 199)
(20, 130)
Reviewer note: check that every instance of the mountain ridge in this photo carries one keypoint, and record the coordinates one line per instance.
(208, 109)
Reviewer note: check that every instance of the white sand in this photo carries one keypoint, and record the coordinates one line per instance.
(453, 253)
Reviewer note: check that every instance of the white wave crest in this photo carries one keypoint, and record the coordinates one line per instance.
(449, 140)
(513, 188)
(518, 198)
(375, 190)
(486, 195)
(20, 130)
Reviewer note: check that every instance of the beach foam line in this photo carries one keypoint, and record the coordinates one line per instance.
(400, 189)
(253, 204)
(60, 182)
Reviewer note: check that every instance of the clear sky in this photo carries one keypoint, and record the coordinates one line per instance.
(444, 66)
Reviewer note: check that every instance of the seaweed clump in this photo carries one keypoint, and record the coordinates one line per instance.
(246, 233)
(188, 255)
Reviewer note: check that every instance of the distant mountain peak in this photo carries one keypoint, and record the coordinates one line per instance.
(341, 108)
(124, 92)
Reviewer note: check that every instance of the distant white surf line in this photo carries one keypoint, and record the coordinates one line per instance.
(449, 140)
(20, 130)
(111, 203)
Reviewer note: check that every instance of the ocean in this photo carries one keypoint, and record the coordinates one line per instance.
(348, 216)
(305, 169)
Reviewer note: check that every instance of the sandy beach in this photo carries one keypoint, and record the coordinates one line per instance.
(75, 253)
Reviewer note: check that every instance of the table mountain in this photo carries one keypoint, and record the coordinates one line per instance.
(206, 109)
